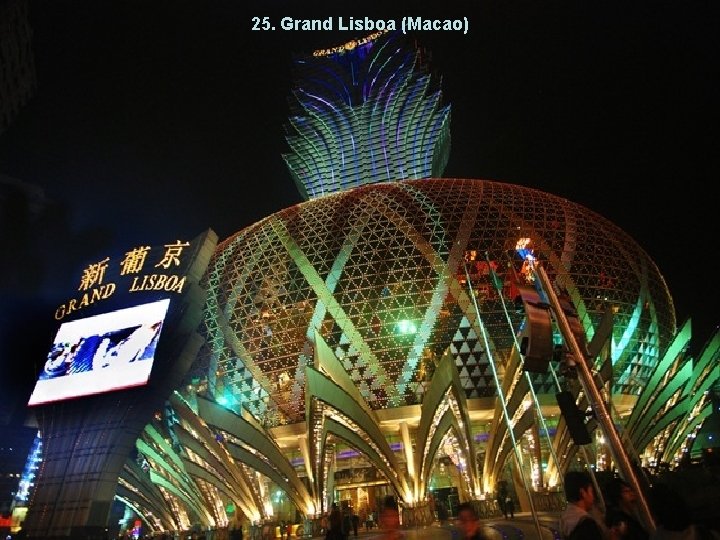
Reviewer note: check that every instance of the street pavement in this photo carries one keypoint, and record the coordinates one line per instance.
(521, 527)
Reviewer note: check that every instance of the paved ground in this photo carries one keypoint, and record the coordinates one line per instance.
(522, 527)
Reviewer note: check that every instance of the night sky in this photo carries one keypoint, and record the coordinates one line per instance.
(155, 120)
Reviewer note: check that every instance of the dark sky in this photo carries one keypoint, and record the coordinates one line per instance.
(154, 120)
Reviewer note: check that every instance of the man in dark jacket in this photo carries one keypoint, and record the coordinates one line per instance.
(576, 520)
(621, 512)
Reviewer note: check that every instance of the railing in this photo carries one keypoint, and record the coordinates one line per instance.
(550, 501)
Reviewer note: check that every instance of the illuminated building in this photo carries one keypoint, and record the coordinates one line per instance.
(345, 356)
(95, 393)
(16, 472)
(27, 480)
(356, 344)
(362, 113)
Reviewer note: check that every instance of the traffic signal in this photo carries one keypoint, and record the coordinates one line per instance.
(574, 418)
(536, 344)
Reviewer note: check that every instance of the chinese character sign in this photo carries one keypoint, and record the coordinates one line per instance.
(158, 269)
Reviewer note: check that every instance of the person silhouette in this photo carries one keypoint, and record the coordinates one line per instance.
(469, 522)
(509, 506)
(621, 512)
(576, 521)
(390, 520)
(335, 528)
(673, 517)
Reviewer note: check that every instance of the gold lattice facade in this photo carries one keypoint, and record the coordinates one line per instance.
(360, 267)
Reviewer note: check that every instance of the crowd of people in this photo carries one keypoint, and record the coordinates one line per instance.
(469, 524)
(340, 525)
(582, 519)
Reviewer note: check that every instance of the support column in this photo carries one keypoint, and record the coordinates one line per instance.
(305, 453)
(329, 475)
(265, 496)
(537, 450)
(409, 459)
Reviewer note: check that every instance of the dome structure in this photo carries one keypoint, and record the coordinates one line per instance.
(381, 273)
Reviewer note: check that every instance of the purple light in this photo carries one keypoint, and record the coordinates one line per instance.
(347, 454)
(351, 453)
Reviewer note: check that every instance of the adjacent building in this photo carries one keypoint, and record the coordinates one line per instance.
(16, 475)
(17, 62)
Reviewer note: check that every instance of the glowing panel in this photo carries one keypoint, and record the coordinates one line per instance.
(111, 351)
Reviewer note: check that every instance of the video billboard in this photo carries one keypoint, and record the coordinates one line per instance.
(105, 352)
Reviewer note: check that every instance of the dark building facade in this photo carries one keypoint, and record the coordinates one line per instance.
(17, 65)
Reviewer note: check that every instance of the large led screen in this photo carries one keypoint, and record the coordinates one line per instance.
(105, 352)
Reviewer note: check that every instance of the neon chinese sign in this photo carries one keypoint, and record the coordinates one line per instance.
(101, 279)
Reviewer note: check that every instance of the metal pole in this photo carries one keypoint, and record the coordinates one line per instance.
(596, 402)
(501, 397)
(532, 389)
(585, 454)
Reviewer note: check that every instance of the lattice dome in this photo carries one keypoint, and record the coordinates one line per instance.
(379, 272)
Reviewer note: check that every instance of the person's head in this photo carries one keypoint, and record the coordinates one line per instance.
(390, 515)
(468, 519)
(620, 494)
(669, 507)
(579, 489)
(615, 522)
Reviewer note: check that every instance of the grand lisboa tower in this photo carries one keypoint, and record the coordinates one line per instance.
(391, 335)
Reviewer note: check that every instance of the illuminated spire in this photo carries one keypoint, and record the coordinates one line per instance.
(364, 113)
